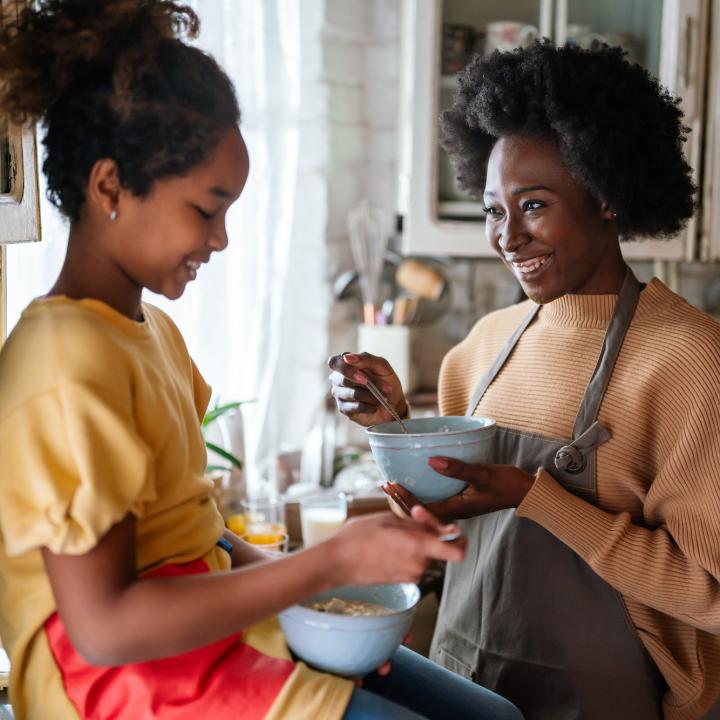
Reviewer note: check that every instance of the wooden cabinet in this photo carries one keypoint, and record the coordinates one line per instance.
(669, 37)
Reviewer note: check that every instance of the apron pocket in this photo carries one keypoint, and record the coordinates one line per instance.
(452, 663)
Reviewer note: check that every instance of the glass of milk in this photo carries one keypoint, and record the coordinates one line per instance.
(321, 516)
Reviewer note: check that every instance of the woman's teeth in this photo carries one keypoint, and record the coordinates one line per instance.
(528, 266)
(193, 265)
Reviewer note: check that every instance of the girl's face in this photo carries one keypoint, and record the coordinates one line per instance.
(551, 233)
(163, 239)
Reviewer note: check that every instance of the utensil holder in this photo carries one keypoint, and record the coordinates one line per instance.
(391, 342)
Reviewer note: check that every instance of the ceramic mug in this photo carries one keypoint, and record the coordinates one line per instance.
(507, 35)
(576, 34)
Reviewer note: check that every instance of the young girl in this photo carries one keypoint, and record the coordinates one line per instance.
(117, 600)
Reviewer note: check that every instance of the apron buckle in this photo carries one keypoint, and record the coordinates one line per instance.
(570, 459)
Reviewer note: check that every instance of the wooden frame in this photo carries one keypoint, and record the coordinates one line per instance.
(19, 195)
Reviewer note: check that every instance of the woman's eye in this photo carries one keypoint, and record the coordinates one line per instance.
(490, 210)
(532, 205)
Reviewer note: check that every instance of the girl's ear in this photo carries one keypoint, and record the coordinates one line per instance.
(104, 187)
(607, 212)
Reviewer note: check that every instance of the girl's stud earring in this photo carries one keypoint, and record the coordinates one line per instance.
(113, 215)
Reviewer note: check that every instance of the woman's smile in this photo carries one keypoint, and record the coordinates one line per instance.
(529, 269)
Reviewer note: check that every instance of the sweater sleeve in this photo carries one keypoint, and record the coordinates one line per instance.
(670, 562)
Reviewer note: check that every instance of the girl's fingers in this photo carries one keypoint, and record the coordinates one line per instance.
(422, 515)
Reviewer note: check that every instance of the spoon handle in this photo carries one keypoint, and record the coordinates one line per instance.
(383, 401)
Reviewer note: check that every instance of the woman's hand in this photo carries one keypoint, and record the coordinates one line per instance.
(490, 488)
(381, 548)
(348, 377)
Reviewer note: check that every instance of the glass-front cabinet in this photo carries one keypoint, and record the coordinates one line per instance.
(668, 37)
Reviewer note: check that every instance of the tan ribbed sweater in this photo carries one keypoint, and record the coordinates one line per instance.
(655, 532)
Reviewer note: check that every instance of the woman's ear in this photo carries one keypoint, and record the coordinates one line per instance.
(104, 187)
(607, 212)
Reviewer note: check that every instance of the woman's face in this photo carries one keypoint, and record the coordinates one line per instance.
(551, 233)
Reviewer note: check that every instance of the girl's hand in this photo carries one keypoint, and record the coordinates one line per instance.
(349, 375)
(490, 488)
(381, 548)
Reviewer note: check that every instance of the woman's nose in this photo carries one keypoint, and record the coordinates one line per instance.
(512, 234)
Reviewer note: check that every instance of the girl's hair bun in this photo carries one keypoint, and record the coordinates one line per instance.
(113, 79)
(46, 47)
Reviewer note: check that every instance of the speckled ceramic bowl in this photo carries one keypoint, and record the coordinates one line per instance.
(403, 458)
(351, 645)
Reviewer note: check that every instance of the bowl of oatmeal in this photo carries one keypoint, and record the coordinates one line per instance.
(402, 458)
(352, 630)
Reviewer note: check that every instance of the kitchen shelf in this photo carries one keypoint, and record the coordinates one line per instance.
(458, 209)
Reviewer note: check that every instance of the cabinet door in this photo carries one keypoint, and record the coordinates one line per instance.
(710, 239)
(439, 36)
(667, 38)
(663, 35)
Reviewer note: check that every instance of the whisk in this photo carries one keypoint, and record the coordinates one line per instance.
(368, 242)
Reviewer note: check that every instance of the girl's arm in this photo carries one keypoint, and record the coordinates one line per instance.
(113, 618)
(243, 553)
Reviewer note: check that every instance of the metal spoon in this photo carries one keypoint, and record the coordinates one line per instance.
(383, 401)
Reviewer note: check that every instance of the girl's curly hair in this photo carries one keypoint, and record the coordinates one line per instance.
(111, 78)
(618, 132)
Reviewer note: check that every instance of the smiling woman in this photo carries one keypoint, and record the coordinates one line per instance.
(555, 237)
(591, 585)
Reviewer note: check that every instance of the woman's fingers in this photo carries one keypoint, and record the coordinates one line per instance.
(377, 366)
(475, 474)
(401, 497)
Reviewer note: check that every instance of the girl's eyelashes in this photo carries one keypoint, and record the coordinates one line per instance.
(204, 214)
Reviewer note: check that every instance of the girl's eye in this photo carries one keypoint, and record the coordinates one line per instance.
(490, 210)
(532, 205)
(203, 214)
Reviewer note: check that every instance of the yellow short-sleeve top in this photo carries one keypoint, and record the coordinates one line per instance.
(100, 416)
(95, 421)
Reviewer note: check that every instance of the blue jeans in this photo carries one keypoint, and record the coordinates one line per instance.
(418, 689)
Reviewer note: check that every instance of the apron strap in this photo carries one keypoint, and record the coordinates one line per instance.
(494, 369)
(619, 323)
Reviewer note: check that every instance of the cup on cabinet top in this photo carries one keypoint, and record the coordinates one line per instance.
(506, 35)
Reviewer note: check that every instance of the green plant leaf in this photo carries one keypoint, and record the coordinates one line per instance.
(225, 454)
(219, 411)
(215, 468)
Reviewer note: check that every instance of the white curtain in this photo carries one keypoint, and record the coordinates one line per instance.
(256, 318)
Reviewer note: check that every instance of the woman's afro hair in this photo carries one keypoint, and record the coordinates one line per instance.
(618, 132)
(113, 79)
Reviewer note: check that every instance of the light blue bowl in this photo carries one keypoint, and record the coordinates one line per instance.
(351, 645)
(403, 458)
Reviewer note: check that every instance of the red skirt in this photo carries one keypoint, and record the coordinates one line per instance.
(225, 680)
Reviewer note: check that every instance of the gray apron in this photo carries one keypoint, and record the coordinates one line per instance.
(525, 616)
